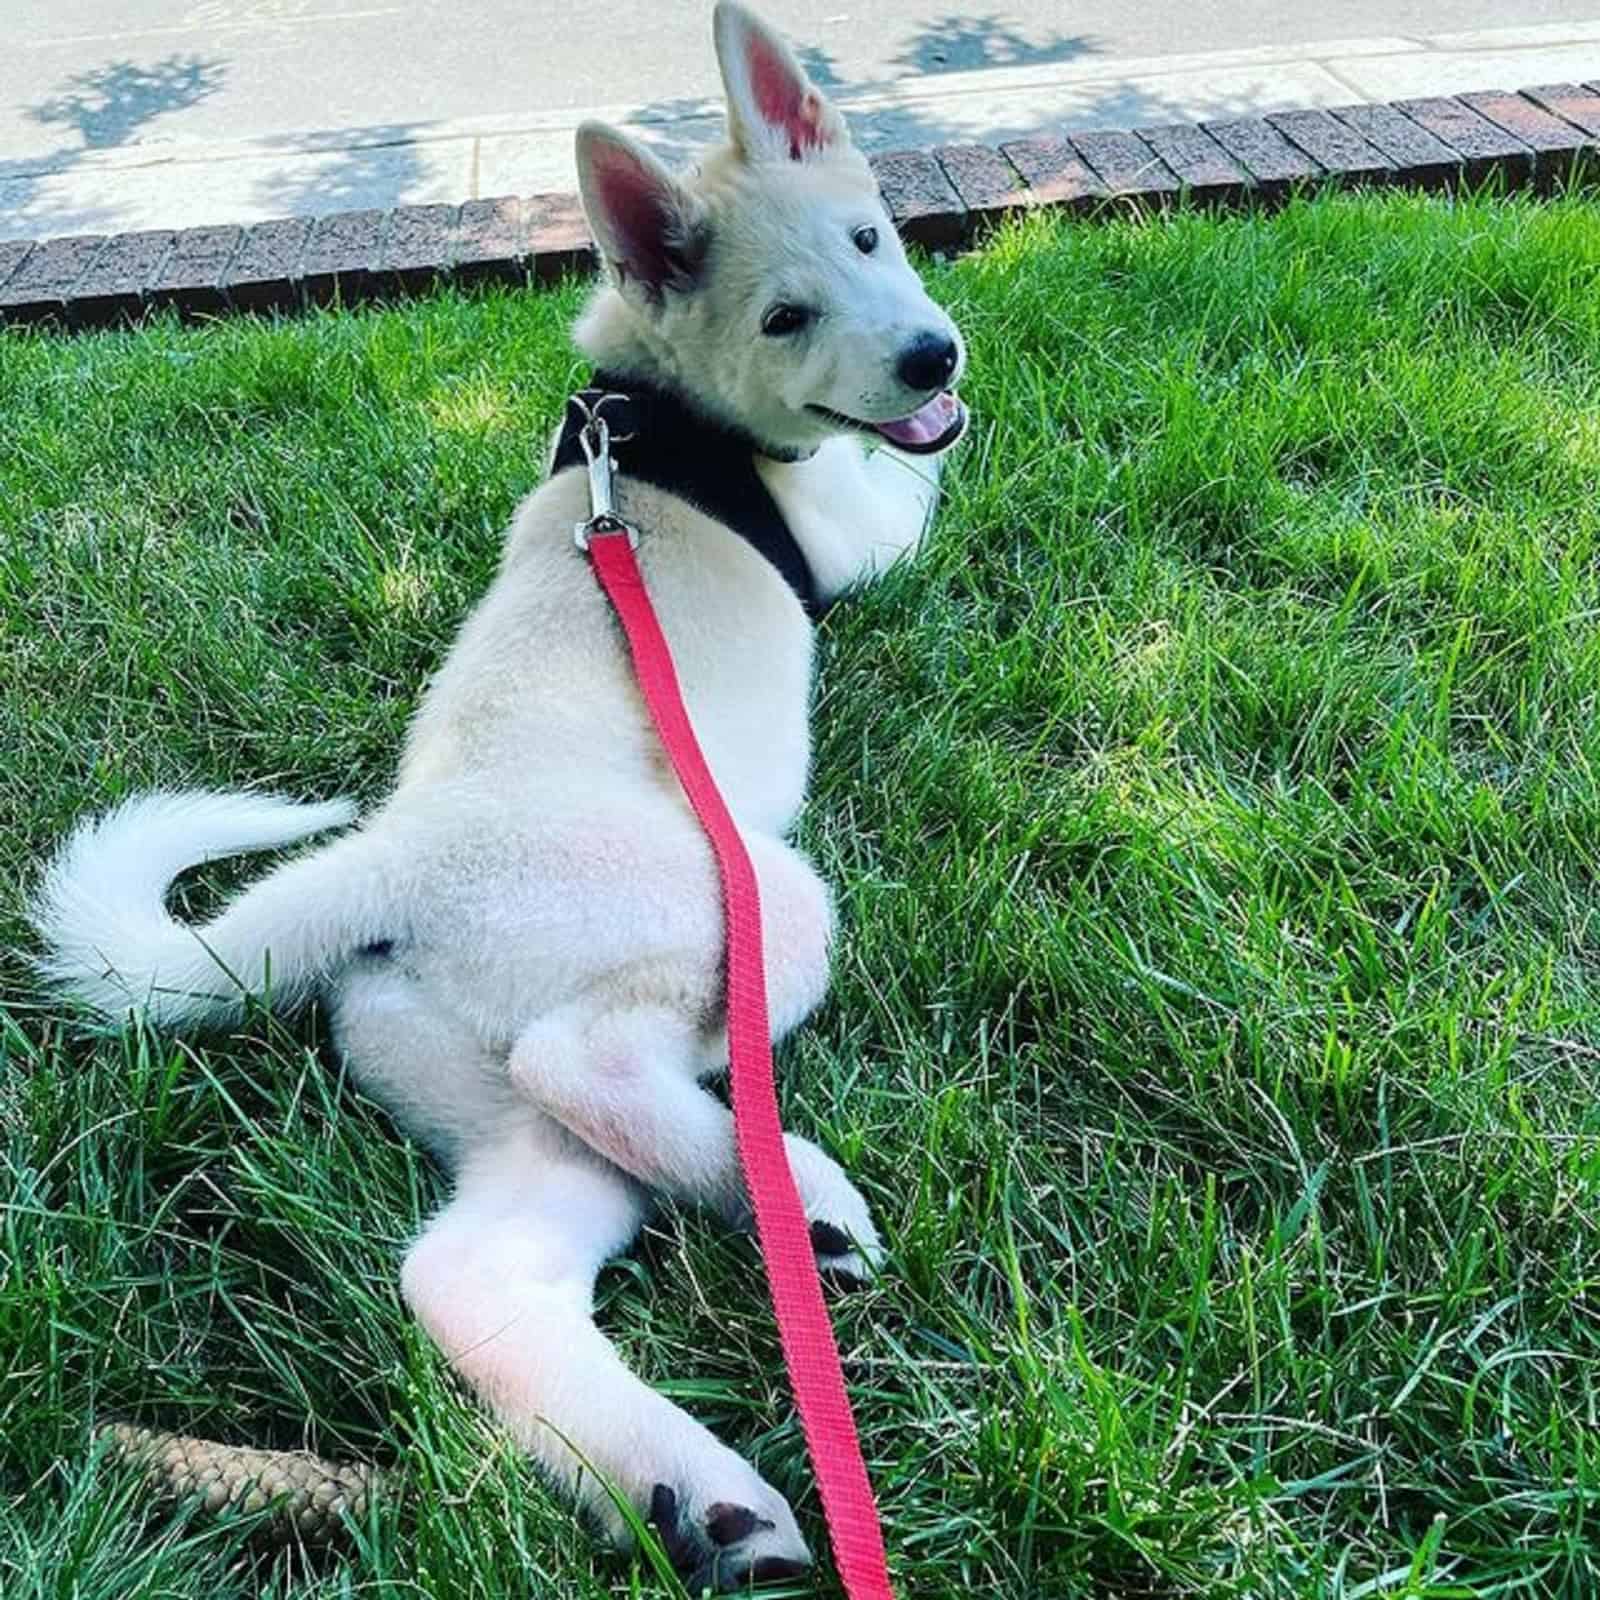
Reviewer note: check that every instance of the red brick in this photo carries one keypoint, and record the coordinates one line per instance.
(990, 188)
(112, 289)
(1420, 160)
(1269, 158)
(1126, 165)
(1556, 144)
(191, 279)
(558, 239)
(1055, 173)
(13, 252)
(922, 201)
(1485, 149)
(1206, 171)
(264, 271)
(488, 242)
(341, 256)
(418, 246)
(1579, 106)
(1334, 146)
(41, 285)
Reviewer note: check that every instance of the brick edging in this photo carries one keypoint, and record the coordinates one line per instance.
(944, 198)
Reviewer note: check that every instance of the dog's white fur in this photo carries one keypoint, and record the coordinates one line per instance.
(543, 1002)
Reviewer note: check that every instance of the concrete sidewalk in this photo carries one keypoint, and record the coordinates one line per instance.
(181, 185)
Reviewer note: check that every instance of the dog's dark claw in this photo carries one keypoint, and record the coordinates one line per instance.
(663, 1508)
(675, 1539)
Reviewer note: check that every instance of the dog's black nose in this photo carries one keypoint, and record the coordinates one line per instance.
(927, 362)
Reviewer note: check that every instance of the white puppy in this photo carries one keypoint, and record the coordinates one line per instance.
(521, 949)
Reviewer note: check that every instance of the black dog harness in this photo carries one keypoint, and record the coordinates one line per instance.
(661, 439)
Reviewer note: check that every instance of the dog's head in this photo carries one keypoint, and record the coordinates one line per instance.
(770, 286)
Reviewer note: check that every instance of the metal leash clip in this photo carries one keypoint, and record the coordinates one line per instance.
(594, 439)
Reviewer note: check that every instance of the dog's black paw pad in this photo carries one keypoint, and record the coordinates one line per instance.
(726, 1549)
(828, 1240)
(729, 1524)
(840, 1261)
(774, 1569)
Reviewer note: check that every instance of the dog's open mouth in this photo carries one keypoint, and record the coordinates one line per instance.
(928, 430)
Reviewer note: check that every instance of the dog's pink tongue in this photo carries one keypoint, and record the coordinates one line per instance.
(928, 426)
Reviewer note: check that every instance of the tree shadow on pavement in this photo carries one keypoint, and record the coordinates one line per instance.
(970, 43)
(105, 107)
(108, 105)
(387, 167)
(112, 106)
(888, 116)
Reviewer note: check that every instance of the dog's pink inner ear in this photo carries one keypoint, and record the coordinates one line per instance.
(642, 215)
(786, 102)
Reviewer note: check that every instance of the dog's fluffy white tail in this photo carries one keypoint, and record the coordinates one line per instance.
(113, 946)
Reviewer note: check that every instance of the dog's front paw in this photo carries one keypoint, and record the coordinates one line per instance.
(842, 1231)
(839, 1260)
(728, 1544)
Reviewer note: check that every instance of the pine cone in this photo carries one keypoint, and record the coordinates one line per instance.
(307, 1496)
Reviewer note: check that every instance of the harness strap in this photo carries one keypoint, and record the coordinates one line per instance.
(677, 447)
(806, 1335)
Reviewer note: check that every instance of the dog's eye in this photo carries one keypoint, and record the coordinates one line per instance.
(866, 240)
(782, 319)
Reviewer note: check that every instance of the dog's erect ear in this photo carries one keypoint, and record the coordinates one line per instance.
(646, 224)
(775, 112)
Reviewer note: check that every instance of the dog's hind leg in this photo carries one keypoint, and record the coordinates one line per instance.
(503, 1281)
(621, 1067)
(626, 1083)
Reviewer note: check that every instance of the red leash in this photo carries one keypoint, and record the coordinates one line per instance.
(781, 1225)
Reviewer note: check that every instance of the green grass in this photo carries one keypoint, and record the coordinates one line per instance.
(1216, 1020)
